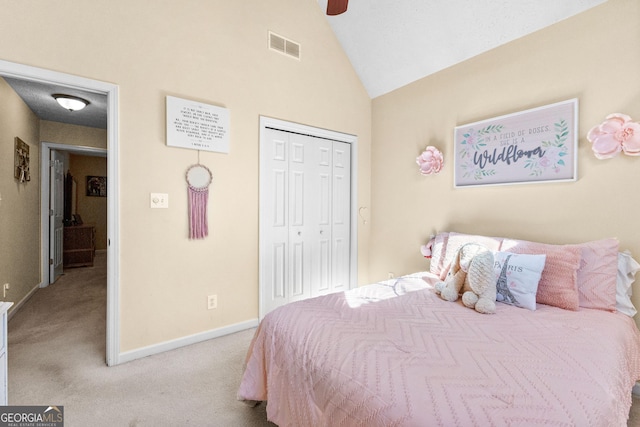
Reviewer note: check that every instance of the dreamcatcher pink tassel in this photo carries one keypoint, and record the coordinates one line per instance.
(198, 227)
(198, 177)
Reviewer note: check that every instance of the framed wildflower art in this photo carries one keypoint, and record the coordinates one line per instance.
(531, 146)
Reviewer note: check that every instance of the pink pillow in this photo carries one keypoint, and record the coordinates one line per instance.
(559, 282)
(597, 274)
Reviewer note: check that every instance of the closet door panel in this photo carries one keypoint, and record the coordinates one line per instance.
(279, 216)
(324, 200)
(275, 221)
(299, 233)
(298, 270)
(297, 199)
(323, 267)
(322, 156)
(299, 259)
(341, 217)
(279, 272)
(339, 265)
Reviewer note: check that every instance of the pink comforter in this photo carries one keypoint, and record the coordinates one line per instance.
(395, 354)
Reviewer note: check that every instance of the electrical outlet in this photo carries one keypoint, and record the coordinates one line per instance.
(212, 302)
(5, 288)
(391, 275)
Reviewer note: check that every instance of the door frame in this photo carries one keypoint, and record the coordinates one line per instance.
(29, 73)
(56, 260)
(271, 123)
(45, 184)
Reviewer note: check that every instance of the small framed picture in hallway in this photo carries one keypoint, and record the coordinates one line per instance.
(97, 186)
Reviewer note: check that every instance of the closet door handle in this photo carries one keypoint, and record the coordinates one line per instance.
(299, 233)
(321, 231)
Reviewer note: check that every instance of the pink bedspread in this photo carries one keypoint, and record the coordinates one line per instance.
(395, 354)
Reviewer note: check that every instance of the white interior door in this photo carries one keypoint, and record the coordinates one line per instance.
(341, 217)
(300, 219)
(56, 215)
(305, 219)
(320, 205)
(274, 219)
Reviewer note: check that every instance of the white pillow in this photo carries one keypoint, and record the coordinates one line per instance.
(627, 268)
(517, 282)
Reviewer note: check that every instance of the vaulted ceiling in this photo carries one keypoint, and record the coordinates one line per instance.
(392, 43)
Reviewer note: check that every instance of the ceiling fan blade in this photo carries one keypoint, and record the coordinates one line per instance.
(336, 7)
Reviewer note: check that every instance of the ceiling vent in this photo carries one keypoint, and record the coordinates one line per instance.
(284, 45)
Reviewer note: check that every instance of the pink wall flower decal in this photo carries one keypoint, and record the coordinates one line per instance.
(430, 161)
(617, 133)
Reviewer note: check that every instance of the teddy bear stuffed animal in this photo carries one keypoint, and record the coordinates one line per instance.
(471, 273)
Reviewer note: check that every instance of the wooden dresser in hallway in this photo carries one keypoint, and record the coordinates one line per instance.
(79, 246)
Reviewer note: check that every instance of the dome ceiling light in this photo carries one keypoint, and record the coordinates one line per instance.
(71, 103)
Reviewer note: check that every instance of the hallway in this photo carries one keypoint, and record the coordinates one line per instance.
(60, 328)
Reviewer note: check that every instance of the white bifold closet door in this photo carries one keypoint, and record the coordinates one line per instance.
(305, 217)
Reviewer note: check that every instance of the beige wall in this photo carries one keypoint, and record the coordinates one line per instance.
(92, 209)
(62, 133)
(20, 204)
(593, 57)
(213, 52)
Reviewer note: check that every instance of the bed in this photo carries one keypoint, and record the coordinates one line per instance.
(394, 353)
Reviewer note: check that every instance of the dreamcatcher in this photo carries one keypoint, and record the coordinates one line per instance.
(198, 178)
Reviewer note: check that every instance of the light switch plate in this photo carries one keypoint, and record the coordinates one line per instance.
(159, 200)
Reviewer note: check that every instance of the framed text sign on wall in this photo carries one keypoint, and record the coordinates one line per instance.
(198, 126)
(537, 145)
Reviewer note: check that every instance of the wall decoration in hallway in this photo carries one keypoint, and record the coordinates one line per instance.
(97, 186)
(536, 145)
(197, 126)
(21, 161)
(199, 178)
(616, 134)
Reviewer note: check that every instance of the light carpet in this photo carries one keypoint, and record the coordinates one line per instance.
(56, 353)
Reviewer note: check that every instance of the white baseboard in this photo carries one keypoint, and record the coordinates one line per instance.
(20, 303)
(139, 353)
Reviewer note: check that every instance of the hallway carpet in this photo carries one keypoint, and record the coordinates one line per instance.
(57, 351)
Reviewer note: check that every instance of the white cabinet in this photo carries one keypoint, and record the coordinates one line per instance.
(4, 307)
(305, 217)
